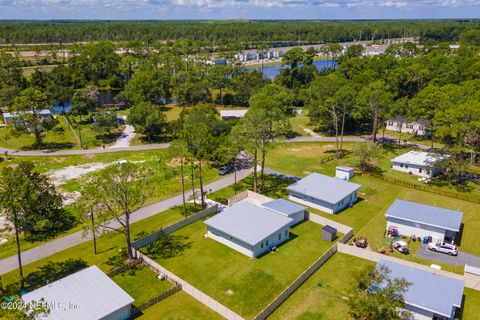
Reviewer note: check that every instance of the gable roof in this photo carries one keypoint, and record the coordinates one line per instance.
(248, 222)
(95, 293)
(283, 206)
(428, 290)
(425, 214)
(418, 158)
(323, 187)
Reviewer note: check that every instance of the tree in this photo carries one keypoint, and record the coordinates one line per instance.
(353, 51)
(34, 310)
(148, 119)
(198, 131)
(374, 99)
(367, 153)
(105, 121)
(379, 296)
(27, 199)
(179, 150)
(83, 102)
(119, 191)
(293, 57)
(29, 104)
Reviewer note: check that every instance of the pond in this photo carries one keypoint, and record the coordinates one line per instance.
(272, 71)
(108, 96)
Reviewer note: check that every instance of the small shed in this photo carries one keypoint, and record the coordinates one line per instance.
(344, 173)
(329, 233)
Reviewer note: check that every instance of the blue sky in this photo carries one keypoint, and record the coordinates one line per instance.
(232, 9)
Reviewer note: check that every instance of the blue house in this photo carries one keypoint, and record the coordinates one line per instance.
(430, 295)
(324, 193)
(249, 229)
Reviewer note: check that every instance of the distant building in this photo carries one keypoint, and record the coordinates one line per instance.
(86, 294)
(324, 193)
(12, 118)
(430, 295)
(417, 127)
(421, 220)
(249, 229)
(233, 114)
(417, 163)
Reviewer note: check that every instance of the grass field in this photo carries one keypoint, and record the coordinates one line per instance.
(108, 246)
(245, 285)
(325, 294)
(59, 137)
(179, 306)
(141, 284)
(163, 182)
(367, 216)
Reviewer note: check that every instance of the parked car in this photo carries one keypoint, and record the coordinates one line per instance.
(447, 248)
(225, 169)
(401, 246)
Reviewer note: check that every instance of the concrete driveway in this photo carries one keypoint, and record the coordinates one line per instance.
(460, 260)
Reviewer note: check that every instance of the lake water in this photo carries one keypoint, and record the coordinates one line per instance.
(272, 71)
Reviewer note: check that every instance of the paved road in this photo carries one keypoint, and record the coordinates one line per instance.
(155, 146)
(57, 245)
(460, 260)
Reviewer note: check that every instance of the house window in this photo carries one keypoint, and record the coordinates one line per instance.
(351, 197)
(406, 166)
(266, 243)
(419, 170)
(261, 245)
(279, 236)
(428, 171)
(401, 165)
(286, 233)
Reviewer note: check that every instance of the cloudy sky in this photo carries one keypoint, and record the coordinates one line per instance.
(232, 9)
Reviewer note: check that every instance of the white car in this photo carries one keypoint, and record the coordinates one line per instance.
(449, 249)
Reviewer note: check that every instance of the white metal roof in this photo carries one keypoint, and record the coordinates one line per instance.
(323, 187)
(417, 158)
(92, 290)
(248, 222)
(428, 290)
(233, 113)
(425, 214)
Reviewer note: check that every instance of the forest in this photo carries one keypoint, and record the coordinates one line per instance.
(247, 32)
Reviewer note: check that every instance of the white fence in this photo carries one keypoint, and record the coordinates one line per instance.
(189, 289)
(375, 256)
(257, 197)
(140, 243)
(268, 310)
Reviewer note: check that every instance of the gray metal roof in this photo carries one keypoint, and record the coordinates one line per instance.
(418, 158)
(95, 293)
(284, 206)
(248, 222)
(236, 113)
(329, 229)
(323, 187)
(429, 215)
(428, 290)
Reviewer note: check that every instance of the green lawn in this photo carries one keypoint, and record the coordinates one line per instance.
(245, 285)
(141, 284)
(60, 137)
(164, 182)
(299, 122)
(472, 304)
(324, 295)
(179, 306)
(367, 216)
(108, 246)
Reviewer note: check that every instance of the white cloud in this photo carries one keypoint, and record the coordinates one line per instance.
(237, 4)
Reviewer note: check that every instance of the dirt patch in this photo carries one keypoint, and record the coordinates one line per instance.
(58, 177)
